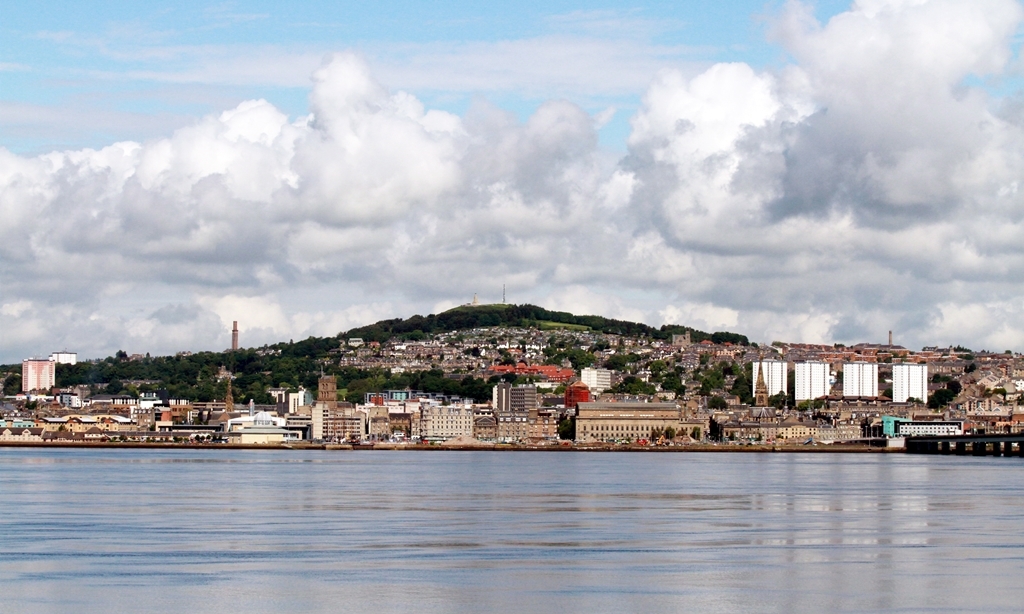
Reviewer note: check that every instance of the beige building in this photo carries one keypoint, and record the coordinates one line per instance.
(336, 423)
(793, 428)
(379, 421)
(80, 423)
(485, 427)
(442, 422)
(543, 424)
(608, 421)
(11, 433)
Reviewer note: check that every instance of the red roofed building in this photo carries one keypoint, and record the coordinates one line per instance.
(551, 373)
(576, 392)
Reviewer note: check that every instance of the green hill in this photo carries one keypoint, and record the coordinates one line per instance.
(300, 363)
(467, 317)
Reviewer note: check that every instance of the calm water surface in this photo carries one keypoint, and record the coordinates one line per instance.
(266, 531)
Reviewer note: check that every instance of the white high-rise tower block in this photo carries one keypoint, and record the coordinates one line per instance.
(909, 381)
(860, 379)
(598, 380)
(811, 380)
(774, 376)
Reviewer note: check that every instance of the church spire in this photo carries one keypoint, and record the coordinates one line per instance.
(760, 388)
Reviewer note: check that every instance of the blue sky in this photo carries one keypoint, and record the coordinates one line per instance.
(83, 74)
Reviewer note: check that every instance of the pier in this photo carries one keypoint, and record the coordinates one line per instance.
(968, 445)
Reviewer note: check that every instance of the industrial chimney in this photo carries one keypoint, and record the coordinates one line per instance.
(234, 336)
(890, 338)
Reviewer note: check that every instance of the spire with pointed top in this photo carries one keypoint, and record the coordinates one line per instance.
(760, 388)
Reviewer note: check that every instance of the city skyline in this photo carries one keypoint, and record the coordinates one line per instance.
(817, 174)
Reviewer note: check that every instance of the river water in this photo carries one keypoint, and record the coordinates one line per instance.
(177, 530)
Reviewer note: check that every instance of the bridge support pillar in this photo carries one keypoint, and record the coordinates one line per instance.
(945, 447)
(978, 448)
(961, 448)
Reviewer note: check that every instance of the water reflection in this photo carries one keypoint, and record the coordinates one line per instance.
(154, 530)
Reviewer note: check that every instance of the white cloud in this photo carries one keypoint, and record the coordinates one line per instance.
(700, 315)
(14, 310)
(831, 200)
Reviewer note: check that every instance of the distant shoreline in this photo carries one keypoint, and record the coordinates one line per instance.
(785, 449)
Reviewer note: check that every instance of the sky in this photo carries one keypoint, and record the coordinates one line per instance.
(809, 172)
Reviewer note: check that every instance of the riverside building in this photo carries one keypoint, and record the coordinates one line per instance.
(601, 421)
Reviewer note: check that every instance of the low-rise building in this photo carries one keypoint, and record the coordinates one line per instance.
(485, 427)
(543, 424)
(11, 433)
(793, 428)
(617, 421)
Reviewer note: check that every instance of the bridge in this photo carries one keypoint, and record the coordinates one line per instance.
(967, 445)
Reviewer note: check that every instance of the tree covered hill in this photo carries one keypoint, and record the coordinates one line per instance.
(525, 316)
(294, 364)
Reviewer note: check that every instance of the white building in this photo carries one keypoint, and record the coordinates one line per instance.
(909, 381)
(598, 380)
(38, 374)
(70, 399)
(775, 376)
(812, 380)
(860, 379)
(64, 358)
(924, 429)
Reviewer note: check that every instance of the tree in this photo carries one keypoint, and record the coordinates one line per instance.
(12, 385)
(717, 402)
(633, 385)
(940, 398)
(778, 400)
(695, 433)
(741, 386)
(567, 428)
(670, 433)
(616, 362)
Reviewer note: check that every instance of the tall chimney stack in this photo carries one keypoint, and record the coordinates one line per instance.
(234, 336)
(890, 338)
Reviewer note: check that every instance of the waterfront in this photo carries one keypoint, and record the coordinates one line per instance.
(270, 531)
